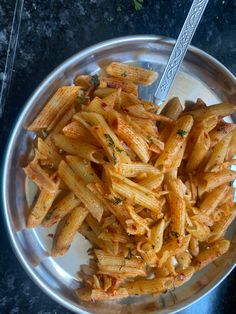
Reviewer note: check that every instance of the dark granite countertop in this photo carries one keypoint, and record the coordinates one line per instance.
(52, 31)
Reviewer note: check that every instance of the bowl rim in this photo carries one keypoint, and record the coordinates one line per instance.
(7, 151)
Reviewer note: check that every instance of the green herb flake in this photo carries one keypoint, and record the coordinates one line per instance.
(110, 140)
(117, 200)
(138, 5)
(174, 234)
(49, 215)
(118, 149)
(114, 159)
(150, 140)
(182, 133)
(124, 74)
(95, 80)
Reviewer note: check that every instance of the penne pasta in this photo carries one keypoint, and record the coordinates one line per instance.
(93, 204)
(60, 209)
(64, 98)
(64, 235)
(134, 74)
(75, 147)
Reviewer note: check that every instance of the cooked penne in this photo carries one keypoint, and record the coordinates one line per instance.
(152, 193)
(172, 109)
(216, 179)
(41, 208)
(219, 110)
(93, 204)
(67, 231)
(219, 153)
(60, 209)
(75, 147)
(39, 176)
(176, 139)
(77, 130)
(130, 137)
(199, 151)
(211, 253)
(64, 98)
(134, 74)
(134, 169)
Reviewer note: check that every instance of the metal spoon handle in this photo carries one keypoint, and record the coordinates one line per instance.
(180, 49)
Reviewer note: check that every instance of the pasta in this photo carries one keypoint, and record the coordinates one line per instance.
(151, 192)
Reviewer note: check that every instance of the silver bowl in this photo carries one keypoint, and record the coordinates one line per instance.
(200, 76)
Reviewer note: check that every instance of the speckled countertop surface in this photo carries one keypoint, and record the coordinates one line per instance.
(52, 31)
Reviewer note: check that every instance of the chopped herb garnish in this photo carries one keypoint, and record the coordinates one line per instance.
(138, 4)
(114, 159)
(119, 150)
(150, 140)
(117, 200)
(95, 80)
(124, 74)
(49, 215)
(182, 133)
(110, 140)
(174, 234)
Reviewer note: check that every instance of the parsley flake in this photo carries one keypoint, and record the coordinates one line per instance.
(114, 159)
(117, 200)
(150, 140)
(110, 140)
(124, 74)
(119, 150)
(174, 234)
(182, 133)
(95, 80)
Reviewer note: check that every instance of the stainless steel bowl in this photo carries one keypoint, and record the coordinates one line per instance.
(200, 76)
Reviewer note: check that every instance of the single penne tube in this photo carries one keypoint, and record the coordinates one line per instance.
(232, 145)
(220, 110)
(134, 140)
(93, 204)
(107, 259)
(113, 100)
(118, 82)
(105, 136)
(177, 137)
(172, 109)
(53, 111)
(219, 153)
(140, 112)
(199, 151)
(215, 179)
(78, 148)
(211, 253)
(83, 169)
(121, 269)
(133, 169)
(177, 214)
(49, 152)
(99, 295)
(183, 276)
(65, 235)
(77, 130)
(148, 286)
(213, 199)
(137, 196)
(61, 209)
(39, 176)
(157, 232)
(152, 181)
(103, 92)
(132, 73)
(60, 124)
(219, 228)
(40, 209)
(99, 106)
(221, 130)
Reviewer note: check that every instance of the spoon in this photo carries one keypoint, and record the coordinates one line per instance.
(190, 25)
